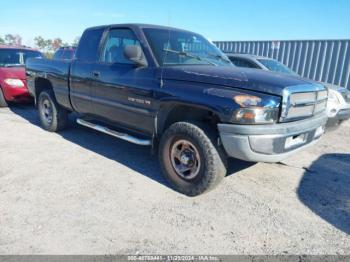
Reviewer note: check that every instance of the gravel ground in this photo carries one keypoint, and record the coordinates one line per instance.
(82, 192)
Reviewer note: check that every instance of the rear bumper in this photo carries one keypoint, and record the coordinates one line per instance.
(270, 143)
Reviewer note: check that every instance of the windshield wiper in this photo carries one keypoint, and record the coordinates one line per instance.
(220, 57)
(183, 53)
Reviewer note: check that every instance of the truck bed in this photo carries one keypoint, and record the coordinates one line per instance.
(56, 72)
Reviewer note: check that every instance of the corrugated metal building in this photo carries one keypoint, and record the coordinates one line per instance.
(320, 60)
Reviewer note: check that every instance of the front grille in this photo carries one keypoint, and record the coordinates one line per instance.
(303, 101)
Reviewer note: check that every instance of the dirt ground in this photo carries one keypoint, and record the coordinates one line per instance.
(82, 192)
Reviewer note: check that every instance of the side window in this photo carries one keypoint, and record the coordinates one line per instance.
(117, 40)
(243, 63)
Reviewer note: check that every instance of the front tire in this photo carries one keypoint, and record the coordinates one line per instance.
(3, 102)
(53, 117)
(189, 159)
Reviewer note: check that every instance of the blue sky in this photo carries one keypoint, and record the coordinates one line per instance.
(216, 19)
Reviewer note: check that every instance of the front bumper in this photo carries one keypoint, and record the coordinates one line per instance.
(270, 143)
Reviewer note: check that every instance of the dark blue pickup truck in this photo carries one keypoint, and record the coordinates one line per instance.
(173, 89)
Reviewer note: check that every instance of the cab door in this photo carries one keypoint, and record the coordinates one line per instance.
(122, 93)
(80, 72)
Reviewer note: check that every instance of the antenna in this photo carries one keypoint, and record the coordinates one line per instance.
(166, 53)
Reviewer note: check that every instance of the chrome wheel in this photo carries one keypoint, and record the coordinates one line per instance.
(185, 159)
(46, 111)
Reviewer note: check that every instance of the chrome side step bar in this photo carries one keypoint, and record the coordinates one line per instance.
(126, 137)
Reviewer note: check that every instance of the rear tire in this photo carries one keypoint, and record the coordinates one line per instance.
(191, 146)
(3, 102)
(53, 117)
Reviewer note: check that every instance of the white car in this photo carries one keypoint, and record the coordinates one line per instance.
(338, 107)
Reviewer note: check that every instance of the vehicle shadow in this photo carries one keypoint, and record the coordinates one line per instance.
(27, 111)
(138, 158)
(236, 165)
(135, 157)
(325, 189)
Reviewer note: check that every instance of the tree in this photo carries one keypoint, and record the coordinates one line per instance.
(76, 41)
(18, 40)
(2, 41)
(56, 43)
(45, 45)
(11, 39)
(40, 43)
(48, 44)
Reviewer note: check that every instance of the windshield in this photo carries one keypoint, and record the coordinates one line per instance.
(16, 57)
(173, 47)
(276, 66)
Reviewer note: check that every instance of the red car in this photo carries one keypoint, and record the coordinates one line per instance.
(13, 85)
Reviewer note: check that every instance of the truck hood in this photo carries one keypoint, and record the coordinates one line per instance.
(244, 78)
(13, 72)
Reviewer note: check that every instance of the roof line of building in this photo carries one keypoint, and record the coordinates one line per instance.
(296, 40)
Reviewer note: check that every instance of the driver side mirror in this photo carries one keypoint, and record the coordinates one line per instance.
(134, 53)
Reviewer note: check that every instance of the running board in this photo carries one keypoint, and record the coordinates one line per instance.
(126, 137)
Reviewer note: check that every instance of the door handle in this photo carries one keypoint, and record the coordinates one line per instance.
(95, 74)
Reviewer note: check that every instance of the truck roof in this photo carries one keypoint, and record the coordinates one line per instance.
(139, 25)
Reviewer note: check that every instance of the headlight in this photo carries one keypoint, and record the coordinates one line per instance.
(252, 110)
(332, 96)
(14, 82)
(255, 115)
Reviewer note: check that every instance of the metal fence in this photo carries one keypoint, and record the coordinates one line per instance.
(320, 60)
